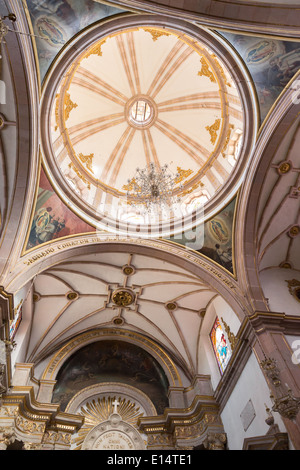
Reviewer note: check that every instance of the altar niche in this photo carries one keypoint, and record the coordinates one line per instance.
(114, 434)
(112, 361)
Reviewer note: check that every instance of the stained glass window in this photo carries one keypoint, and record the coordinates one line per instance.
(221, 349)
(14, 325)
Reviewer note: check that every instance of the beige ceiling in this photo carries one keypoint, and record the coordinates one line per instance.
(278, 216)
(154, 282)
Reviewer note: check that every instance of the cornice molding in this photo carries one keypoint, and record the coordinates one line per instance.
(249, 16)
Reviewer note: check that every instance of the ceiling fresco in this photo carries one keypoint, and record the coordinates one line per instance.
(272, 63)
(55, 22)
(112, 361)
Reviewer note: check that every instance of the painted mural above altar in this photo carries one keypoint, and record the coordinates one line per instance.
(55, 22)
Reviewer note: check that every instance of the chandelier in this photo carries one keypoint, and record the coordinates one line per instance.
(152, 189)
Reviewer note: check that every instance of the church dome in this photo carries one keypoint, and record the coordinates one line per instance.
(139, 96)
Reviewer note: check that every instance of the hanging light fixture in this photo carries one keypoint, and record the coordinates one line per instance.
(152, 189)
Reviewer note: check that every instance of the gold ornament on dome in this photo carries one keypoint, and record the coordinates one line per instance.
(182, 174)
(69, 106)
(213, 130)
(156, 33)
(218, 65)
(131, 185)
(171, 306)
(96, 50)
(205, 70)
(87, 160)
(72, 295)
(123, 297)
(85, 181)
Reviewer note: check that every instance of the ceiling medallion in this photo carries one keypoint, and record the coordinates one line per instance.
(128, 270)
(72, 295)
(294, 231)
(171, 306)
(284, 168)
(118, 321)
(123, 297)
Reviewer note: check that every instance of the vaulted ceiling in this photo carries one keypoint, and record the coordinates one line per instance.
(140, 293)
(278, 215)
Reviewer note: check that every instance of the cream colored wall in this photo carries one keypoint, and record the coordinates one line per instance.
(276, 290)
(250, 386)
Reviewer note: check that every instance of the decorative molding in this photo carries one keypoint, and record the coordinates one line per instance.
(183, 427)
(156, 33)
(96, 50)
(213, 130)
(102, 334)
(205, 70)
(87, 160)
(68, 106)
(123, 297)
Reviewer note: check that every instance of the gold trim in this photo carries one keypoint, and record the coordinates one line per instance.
(156, 33)
(96, 335)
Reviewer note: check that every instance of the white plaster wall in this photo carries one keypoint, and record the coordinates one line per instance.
(276, 290)
(250, 386)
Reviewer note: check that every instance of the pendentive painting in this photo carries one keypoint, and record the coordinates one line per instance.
(55, 22)
(52, 219)
(214, 238)
(112, 361)
(272, 63)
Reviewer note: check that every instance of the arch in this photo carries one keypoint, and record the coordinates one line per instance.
(218, 278)
(145, 343)
(285, 112)
(238, 15)
(112, 388)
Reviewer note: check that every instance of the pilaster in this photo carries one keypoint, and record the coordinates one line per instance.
(282, 373)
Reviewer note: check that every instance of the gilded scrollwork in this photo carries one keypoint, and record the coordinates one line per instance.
(29, 427)
(156, 33)
(213, 130)
(205, 70)
(215, 441)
